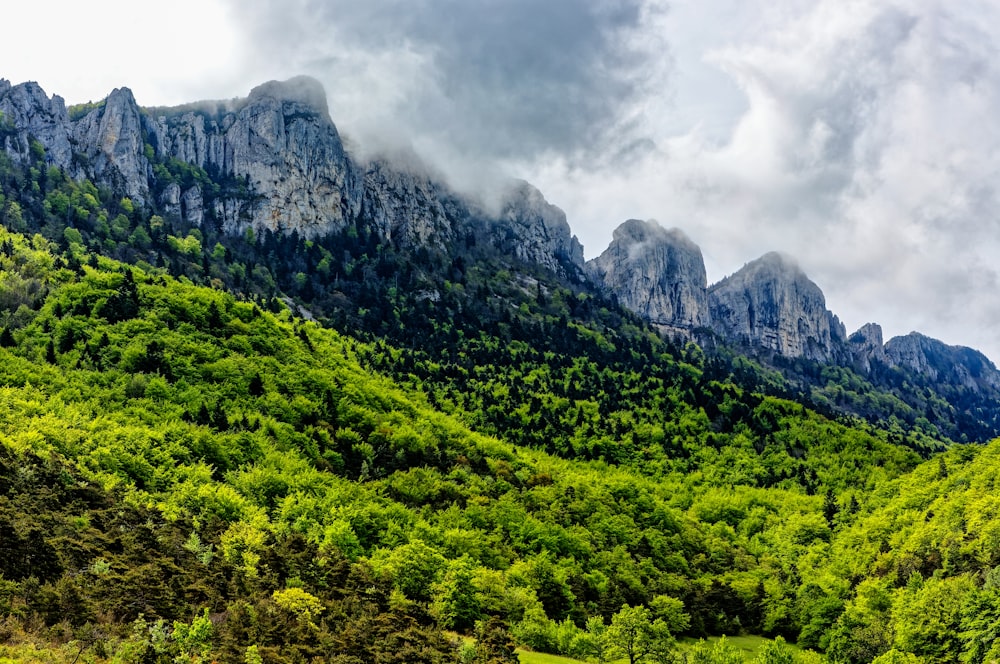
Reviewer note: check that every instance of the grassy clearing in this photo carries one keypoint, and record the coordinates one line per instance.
(530, 657)
(749, 645)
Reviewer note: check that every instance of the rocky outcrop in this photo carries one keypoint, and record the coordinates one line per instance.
(941, 363)
(282, 144)
(657, 273)
(106, 145)
(867, 348)
(276, 163)
(772, 304)
(111, 139)
(402, 203)
(535, 231)
(29, 113)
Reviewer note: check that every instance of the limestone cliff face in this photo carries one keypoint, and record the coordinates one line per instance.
(29, 113)
(657, 273)
(111, 139)
(939, 362)
(401, 202)
(282, 142)
(772, 304)
(105, 145)
(535, 231)
(277, 163)
(867, 348)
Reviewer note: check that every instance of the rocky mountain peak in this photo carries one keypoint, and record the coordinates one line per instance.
(402, 202)
(304, 90)
(29, 113)
(867, 346)
(657, 273)
(281, 141)
(536, 231)
(937, 361)
(771, 303)
(777, 263)
(112, 139)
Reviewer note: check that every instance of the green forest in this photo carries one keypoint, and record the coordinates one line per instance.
(272, 449)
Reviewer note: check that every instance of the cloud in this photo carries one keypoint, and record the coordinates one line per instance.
(482, 82)
(867, 148)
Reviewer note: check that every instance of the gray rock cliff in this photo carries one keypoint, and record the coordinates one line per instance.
(867, 347)
(535, 231)
(111, 139)
(402, 202)
(282, 142)
(772, 304)
(939, 362)
(277, 163)
(657, 273)
(29, 113)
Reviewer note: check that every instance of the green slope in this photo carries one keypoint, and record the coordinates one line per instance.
(170, 450)
(186, 473)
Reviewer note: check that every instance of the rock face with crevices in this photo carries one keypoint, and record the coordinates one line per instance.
(867, 347)
(281, 142)
(536, 232)
(27, 112)
(401, 202)
(939, 362)
(657, 273)
(772, 304)
(111, 139)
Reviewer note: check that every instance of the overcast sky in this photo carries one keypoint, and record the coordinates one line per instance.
(860, 136)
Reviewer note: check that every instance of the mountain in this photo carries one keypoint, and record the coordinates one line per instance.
(773, 311)
(273, 161)
(189, 474)
(770, 303)
(657, 273)
(261, 196)
(940, 363)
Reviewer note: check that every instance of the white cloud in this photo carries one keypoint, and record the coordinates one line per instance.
(167, 53)
(867, 148)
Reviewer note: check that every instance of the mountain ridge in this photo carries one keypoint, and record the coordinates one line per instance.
(734, 302)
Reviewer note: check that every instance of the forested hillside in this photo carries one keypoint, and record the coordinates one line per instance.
(266, 448)
(176, 454)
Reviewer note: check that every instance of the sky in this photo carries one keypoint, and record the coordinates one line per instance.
(858, 136)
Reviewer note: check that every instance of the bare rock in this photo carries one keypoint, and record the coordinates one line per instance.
(193, 206)
(867, 347)
(535, 231)
(402, 203)
(772, 304)
(111, 137)
(941, 363)
(657, 273)
(28, 113)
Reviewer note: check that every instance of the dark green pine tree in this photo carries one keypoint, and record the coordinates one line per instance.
(494, 644)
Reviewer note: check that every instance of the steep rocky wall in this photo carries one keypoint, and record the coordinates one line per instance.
(771, 303)
(657, 273)
(282, 141)
(286, 168)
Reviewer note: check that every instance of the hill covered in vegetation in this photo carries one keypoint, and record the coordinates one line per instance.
(261, 446)
(187, 472)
